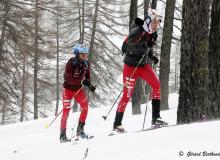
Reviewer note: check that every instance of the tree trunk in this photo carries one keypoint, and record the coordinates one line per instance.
(83, 21)
(80, 23)
(176, 77)
(36, 57)
(136, 97)
(154, 4)
(194, 61)
(2, 42)
(93, 30)
(133, 11)
(3, 30)
(165, 54)
(214, 62)
(57, 69)
(23, 92)
(177, 65)
(3, 115)
(146, 7)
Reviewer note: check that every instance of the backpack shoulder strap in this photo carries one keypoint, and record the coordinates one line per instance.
(136, 35)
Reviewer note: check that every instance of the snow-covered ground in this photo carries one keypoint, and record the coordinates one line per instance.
(32, 141)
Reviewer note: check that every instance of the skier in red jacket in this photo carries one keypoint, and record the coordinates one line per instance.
(77, 73)
(137, 61)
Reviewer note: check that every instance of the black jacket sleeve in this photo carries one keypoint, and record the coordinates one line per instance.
(87, 75)
(134, 47)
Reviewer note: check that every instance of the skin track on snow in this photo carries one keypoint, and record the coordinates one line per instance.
(203, 119)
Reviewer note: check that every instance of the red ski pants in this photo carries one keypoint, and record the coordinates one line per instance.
(147, 74)
(80, 98)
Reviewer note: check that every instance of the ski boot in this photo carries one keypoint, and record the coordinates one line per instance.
(119, 129)
(80, 131)
(117, 126)
(158, 122)
(63, 137)
(203, 118)
(156, 119)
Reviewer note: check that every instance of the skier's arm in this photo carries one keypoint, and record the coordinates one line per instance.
(88, 71)
(87, 80)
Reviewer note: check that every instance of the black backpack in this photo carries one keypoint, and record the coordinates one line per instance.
(137, 22)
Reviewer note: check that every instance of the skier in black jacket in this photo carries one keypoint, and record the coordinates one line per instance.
(138, 56)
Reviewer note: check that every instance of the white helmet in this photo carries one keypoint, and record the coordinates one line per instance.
(152, 14)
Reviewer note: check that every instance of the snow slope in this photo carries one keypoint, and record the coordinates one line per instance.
(32, 141)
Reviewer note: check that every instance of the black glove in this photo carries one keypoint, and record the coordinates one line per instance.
(92, 88)
(86, 82)
(151, 43)
(155, 36)
(155, 59)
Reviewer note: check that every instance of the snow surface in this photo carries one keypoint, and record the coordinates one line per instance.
(32, 141)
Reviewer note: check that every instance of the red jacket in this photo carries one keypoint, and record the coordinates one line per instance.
(75, 72)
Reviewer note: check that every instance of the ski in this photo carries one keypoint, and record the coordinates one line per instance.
(66, 141)
(203, 119)
(86, 153)
(113, 134)
(75, 139)
(116, 133)
(86, 138)
(156, 127)
(148, 129)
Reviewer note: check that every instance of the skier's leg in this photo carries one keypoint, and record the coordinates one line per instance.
(81, 98)
(127, 93)
(67, 97)
(150, 77)
(129, 83)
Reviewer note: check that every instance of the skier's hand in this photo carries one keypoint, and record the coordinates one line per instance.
(92, 88)
(86, 82)
(151, 43)
(155, 59)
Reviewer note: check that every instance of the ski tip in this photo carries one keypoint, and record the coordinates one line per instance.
(104, 117)
(90, 137)
(111, 134)
(46, 125)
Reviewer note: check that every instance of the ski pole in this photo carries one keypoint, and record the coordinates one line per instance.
(48, 125)
(105, 117)
(148, 50)
(145, 113)
(77, 121)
